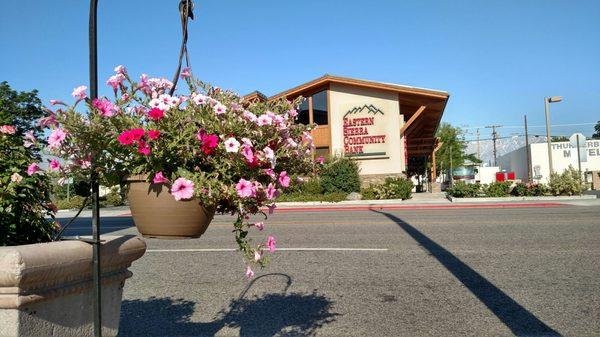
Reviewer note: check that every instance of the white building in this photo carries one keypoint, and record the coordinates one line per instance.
(564, 154)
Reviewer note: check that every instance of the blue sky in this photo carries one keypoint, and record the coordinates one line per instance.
(498, 59)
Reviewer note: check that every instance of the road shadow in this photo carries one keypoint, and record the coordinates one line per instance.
(518, 319)
(293, 314)
(83, 225)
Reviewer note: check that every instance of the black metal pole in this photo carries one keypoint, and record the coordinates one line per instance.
(94, 178)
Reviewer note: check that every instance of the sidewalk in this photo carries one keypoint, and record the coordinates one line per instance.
(418, 201)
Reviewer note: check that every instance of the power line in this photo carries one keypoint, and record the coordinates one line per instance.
(530, 126)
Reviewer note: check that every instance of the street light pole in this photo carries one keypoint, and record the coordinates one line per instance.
(548, 140)
(97, 306)
(547, 101)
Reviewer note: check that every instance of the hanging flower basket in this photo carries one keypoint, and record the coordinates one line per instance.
(157, 214)
(188, 155)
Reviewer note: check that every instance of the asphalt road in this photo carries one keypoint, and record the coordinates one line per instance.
(452, 272)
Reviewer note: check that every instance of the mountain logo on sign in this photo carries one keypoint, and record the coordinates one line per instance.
(370, 109)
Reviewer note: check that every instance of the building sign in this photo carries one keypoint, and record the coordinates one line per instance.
(364, 132)
(589, 148)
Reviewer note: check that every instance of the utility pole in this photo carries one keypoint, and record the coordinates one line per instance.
(527, 150)
(494, 137)
(478, 148)
(451, 173)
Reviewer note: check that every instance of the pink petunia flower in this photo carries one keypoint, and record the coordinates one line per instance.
(320, 160)
(159, 178)
(29, 139)
(293, 112)
(219, 109)
(245, 188)
(232, 145)
(125, 138)
(105, 107)
(54, 165)
(120, 69)
(153, 134)
(144, 148)
(269, 153)
(79, 92)
(115, 80)
(271, 208)
(182, 189)
(249, 272)
(7, 129)
(259, 225)
(307, 139)
(284, 179)
(56, 138)
(270, 173)
(271, 244)
(247, 153)
(32, 169)
(137, 134)
(156, 114)
(56, 102)
(48, 121)
(250, 116)
(264, 120)
(199, 99)
(272, 191)
(208, 142)
(186, 72)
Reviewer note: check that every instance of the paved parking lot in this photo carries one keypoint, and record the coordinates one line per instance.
(451, 272)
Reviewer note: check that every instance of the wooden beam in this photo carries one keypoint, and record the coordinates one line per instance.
(412, 119)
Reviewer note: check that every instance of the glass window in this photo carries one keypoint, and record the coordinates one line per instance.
(303, 117)
(322, 151)
(319, 101)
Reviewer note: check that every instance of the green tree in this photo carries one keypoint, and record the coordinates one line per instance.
(597, 129)
(24, 198)
(453, 146)
(20, 109)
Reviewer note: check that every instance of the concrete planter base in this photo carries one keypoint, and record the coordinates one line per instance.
(46, 289)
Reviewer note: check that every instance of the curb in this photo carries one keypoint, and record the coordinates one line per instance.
(417, 207)
(517, 199)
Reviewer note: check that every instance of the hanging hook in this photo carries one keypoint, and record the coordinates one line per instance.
(186, 8)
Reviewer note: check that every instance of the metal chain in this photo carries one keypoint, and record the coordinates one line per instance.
(186, 8)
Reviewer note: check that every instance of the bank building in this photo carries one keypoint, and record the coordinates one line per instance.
(388, 128)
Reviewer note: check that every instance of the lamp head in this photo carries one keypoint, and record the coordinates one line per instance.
(554, 99)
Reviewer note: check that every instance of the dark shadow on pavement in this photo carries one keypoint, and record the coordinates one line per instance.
(292, 314)
(518, 319)
(83, 225)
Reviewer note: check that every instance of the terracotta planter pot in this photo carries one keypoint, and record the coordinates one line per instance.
(46, 288)
(157, 214)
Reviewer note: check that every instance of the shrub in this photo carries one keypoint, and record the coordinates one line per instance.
(114, 198)
(528, 190)
(26, 212)
(497, 189)
(391, 188)
(302, 197)
(340, 175)
(311, 186)
(75, 202)
(464, 190)
(520, 190)
(567, 183)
